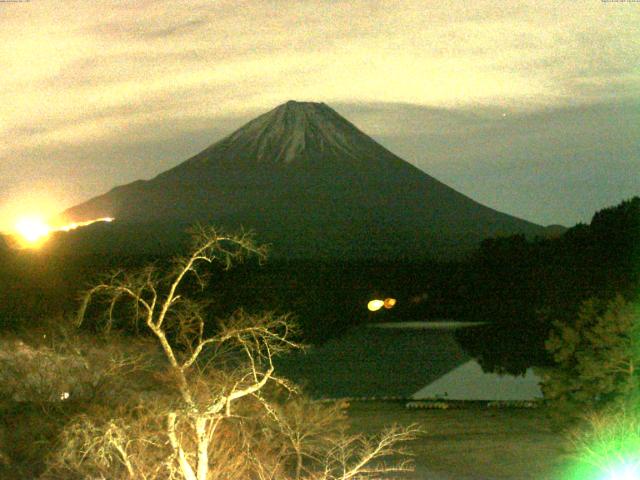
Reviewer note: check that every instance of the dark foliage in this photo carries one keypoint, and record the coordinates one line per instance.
(596, 357)
(521, 286)
(516, 284)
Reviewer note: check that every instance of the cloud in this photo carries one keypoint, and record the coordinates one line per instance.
(81, 58)
(80, 75)
(555, 165)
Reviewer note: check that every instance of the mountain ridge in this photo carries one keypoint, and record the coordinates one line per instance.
(302, 170)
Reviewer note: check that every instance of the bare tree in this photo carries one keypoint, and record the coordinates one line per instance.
(224, 420)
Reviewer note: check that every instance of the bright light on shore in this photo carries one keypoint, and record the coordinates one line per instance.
(375, 305)
(32, 232)
(389, 303)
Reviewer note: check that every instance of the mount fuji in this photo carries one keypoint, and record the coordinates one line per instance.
(307, 181)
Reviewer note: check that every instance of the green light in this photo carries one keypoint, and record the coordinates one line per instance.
(627, 471)
(607, 445)
(618, 469)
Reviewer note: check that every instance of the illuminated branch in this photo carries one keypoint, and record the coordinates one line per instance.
(186, 468)
(303, 445)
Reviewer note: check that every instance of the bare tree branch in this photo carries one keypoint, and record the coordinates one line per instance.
(221, 388)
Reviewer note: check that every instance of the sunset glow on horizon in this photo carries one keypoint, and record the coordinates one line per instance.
(32, 231)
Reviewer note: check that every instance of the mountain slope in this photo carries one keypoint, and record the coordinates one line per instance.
(310, 182)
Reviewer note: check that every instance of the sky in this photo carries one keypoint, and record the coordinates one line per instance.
(531, 108)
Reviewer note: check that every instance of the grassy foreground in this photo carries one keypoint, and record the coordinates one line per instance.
(474, 443)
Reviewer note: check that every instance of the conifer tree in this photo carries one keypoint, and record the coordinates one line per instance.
(597, 357)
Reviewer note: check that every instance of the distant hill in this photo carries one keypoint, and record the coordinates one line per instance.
(309, 182)
(555, 231)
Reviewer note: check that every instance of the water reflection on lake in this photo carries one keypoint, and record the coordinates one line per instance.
(394, 360)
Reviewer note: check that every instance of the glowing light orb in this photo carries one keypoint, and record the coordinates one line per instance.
(389, 303)
(32, 230)
(375, 305)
